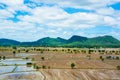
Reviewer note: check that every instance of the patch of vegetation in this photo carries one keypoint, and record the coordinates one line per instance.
(44, 67)
(72, 65)
(42, 58)
(29, 64)
(118, 67)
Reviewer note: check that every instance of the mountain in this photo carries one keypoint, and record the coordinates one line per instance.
(51, 41)
(103, 41)
(74, 41)
(8, 42)
(76, 38)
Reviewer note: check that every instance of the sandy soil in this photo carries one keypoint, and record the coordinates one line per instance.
(22, 76)
(64, 74)
(77, 74)
(59, 63)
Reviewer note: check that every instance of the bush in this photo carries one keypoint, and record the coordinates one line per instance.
(26, 58)
(44, 67)
(72, 65)
(37, 67)
(42, 58)
(29, 64)
(48, 67)
(117, 58)
(118, 67)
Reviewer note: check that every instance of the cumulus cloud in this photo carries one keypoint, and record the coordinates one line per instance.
(50, 18)
(87, 4)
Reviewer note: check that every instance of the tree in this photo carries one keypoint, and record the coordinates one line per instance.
(14, 47)
(72, 65)
(118, 67)
(26, 58)
(48, 67)
(44, 67)
(18, 51)
(42, 58)
(101, 58)
(14, 52)
(29, 64)
(41, 52)
(37, 67)
(27, 51)
(0, 57)
(117, 58)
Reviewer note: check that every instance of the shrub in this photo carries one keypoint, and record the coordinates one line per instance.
(44, 67)
(29, 64)
(117, 58)
(42, 58)
(118, 67)
(72, 65)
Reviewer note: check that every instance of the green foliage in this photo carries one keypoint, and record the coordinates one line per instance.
(118, 67)
(72, 65)
(42, 58)
(117, 58)
(14, 52)
(44, 67)
(27, 51)
(29, 64)
(26, 58)
(101, 57)
(14, 47)
(74, 41)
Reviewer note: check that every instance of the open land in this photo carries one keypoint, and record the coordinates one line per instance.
(56, 63)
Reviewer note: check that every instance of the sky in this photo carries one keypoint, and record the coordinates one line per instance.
(30, 20)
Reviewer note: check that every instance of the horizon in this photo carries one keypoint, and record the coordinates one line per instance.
(60, 37)
(30, 20)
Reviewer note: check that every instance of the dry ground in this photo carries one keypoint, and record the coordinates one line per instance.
(78, 74)
(58, 65)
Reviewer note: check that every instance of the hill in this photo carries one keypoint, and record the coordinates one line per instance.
(8, 42)
(74, 41)
(76, 38)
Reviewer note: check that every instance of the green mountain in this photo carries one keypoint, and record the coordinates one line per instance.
(50, 41)
(101, 41)
(104, 41)
(8, 42)
(74, 41)
(76, 38)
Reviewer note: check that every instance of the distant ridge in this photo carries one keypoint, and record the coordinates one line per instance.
(77, 38)
(74, 41)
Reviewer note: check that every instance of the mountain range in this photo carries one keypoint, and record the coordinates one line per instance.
(74, 41)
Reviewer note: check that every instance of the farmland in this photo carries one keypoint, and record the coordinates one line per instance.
(56, 63)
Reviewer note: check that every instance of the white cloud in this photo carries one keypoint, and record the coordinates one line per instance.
(5, 14)
(87, 4)
(56, 17)
(53, 20)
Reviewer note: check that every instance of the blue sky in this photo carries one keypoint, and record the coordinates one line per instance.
(30, 20)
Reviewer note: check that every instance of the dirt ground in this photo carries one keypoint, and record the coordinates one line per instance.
(55, 64)
(64, 74)
(78, 74)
